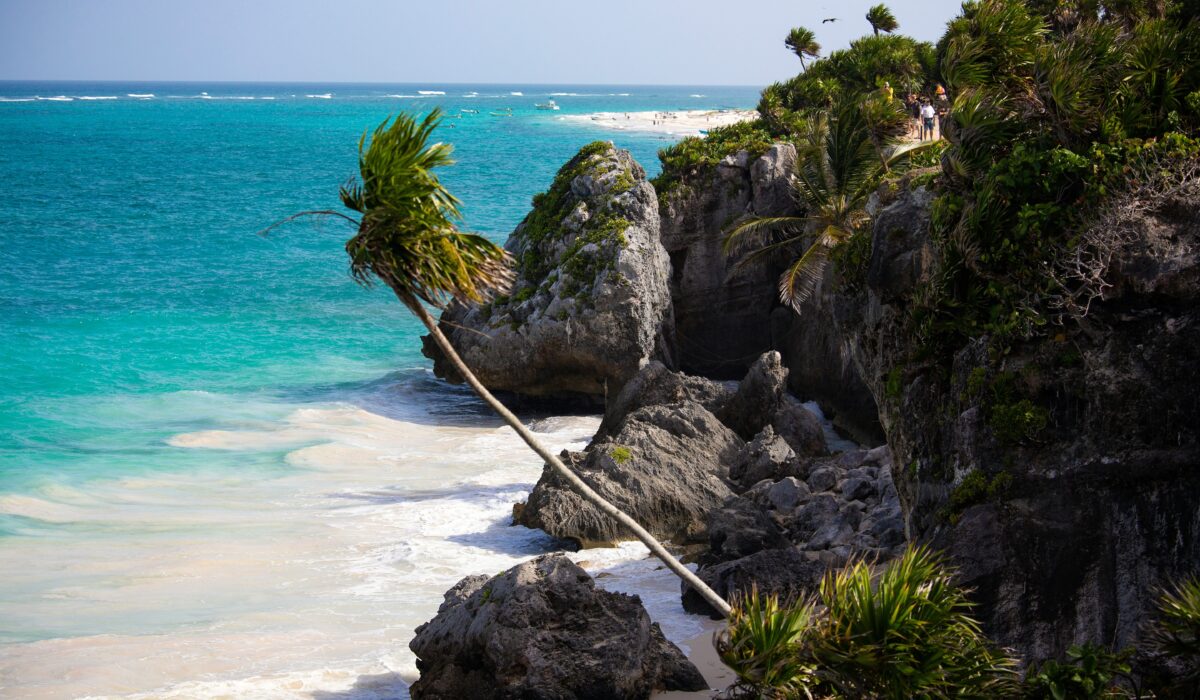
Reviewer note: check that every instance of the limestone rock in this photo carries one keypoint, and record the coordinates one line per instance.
(542, 630)
(785, 572)
(591, 300)
(766, 457)
(741, 527)
(655, 385)
(758, 396)
(722, 319)
(664, 468)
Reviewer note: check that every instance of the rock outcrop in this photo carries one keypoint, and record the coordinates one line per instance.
(722, 320)
(782, 535)
(1060, 473)
(668, 453)
(542, 630)
(665, 467)
(591, 300)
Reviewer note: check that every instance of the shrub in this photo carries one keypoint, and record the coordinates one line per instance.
(902, 633)
(762, 644)
(1176, 632)
(1090, 673)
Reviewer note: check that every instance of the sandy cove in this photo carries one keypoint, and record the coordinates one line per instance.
(693, 122)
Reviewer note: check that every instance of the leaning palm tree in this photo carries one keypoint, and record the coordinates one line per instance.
(803, 42)
(408, 238)
(882, 19)
(838, 169)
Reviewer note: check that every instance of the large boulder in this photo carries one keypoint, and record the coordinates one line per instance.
(721, 317)
(542, 630)
(656, 385)
(591, 298)
(665, 467)
(783, 572)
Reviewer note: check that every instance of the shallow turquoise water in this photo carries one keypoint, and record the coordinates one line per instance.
(132, 274)
(225, 469)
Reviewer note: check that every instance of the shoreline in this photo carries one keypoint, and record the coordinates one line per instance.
(691, 122)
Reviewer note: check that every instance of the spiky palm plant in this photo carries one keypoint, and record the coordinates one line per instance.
(763, 645)
(905, 633)
(408, 238)
(900, 633)
(837, 169)
(882, 19)
(803, 42)
(1176, 632)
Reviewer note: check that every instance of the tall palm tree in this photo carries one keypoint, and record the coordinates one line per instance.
(803, 42)
(408, 238)
(882, 19)
(838, 169)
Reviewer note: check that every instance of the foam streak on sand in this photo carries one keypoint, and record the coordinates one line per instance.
(692, 122)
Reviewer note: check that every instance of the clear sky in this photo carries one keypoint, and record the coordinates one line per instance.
(687, 42)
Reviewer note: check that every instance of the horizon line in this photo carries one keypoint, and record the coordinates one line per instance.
(368, 82)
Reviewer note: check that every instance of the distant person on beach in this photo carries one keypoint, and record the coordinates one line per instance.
(927, 115)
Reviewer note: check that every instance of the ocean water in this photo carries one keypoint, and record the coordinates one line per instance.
(225, 469)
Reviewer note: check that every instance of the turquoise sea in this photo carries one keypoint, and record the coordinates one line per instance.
(224, 467)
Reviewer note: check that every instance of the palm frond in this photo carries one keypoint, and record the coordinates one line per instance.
(762, 231)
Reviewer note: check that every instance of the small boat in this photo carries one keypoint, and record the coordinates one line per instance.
(468, 111)
(506, 113)
(550, 105)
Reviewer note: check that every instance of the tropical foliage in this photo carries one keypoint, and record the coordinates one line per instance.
(802, 42)
(881, 19)
(1176, 632)
(1045, 119)
(903, 632)
(1091, 672)
(408, 236)
(841, 157)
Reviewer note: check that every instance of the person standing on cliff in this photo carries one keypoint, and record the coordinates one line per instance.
(927, 115)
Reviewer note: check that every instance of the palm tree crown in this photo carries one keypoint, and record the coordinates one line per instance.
(882, 19)
(803, 42)
(407, 234)
(839, 167)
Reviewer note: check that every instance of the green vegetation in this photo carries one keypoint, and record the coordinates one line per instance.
(802, 42)
(903, 632)
(881, 19)
(694, 154)
(975, 488)
(1091, 672)
(1176, 633)
(620, 454)
(840, 161)
(1048, 120)
(554, 205)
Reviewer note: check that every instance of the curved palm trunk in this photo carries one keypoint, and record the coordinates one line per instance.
(556, 464)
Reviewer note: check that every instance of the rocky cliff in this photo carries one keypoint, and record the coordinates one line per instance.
(722, 320)
(1062, 473)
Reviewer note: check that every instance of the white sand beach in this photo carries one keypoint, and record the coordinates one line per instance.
(692, 122)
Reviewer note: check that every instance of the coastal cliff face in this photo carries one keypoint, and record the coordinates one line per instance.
(722, 319)
(591, 301)
(1061, 474)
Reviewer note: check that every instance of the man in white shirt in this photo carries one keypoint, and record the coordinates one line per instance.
(927, 115)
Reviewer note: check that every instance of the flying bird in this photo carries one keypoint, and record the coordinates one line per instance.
(827, 21)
